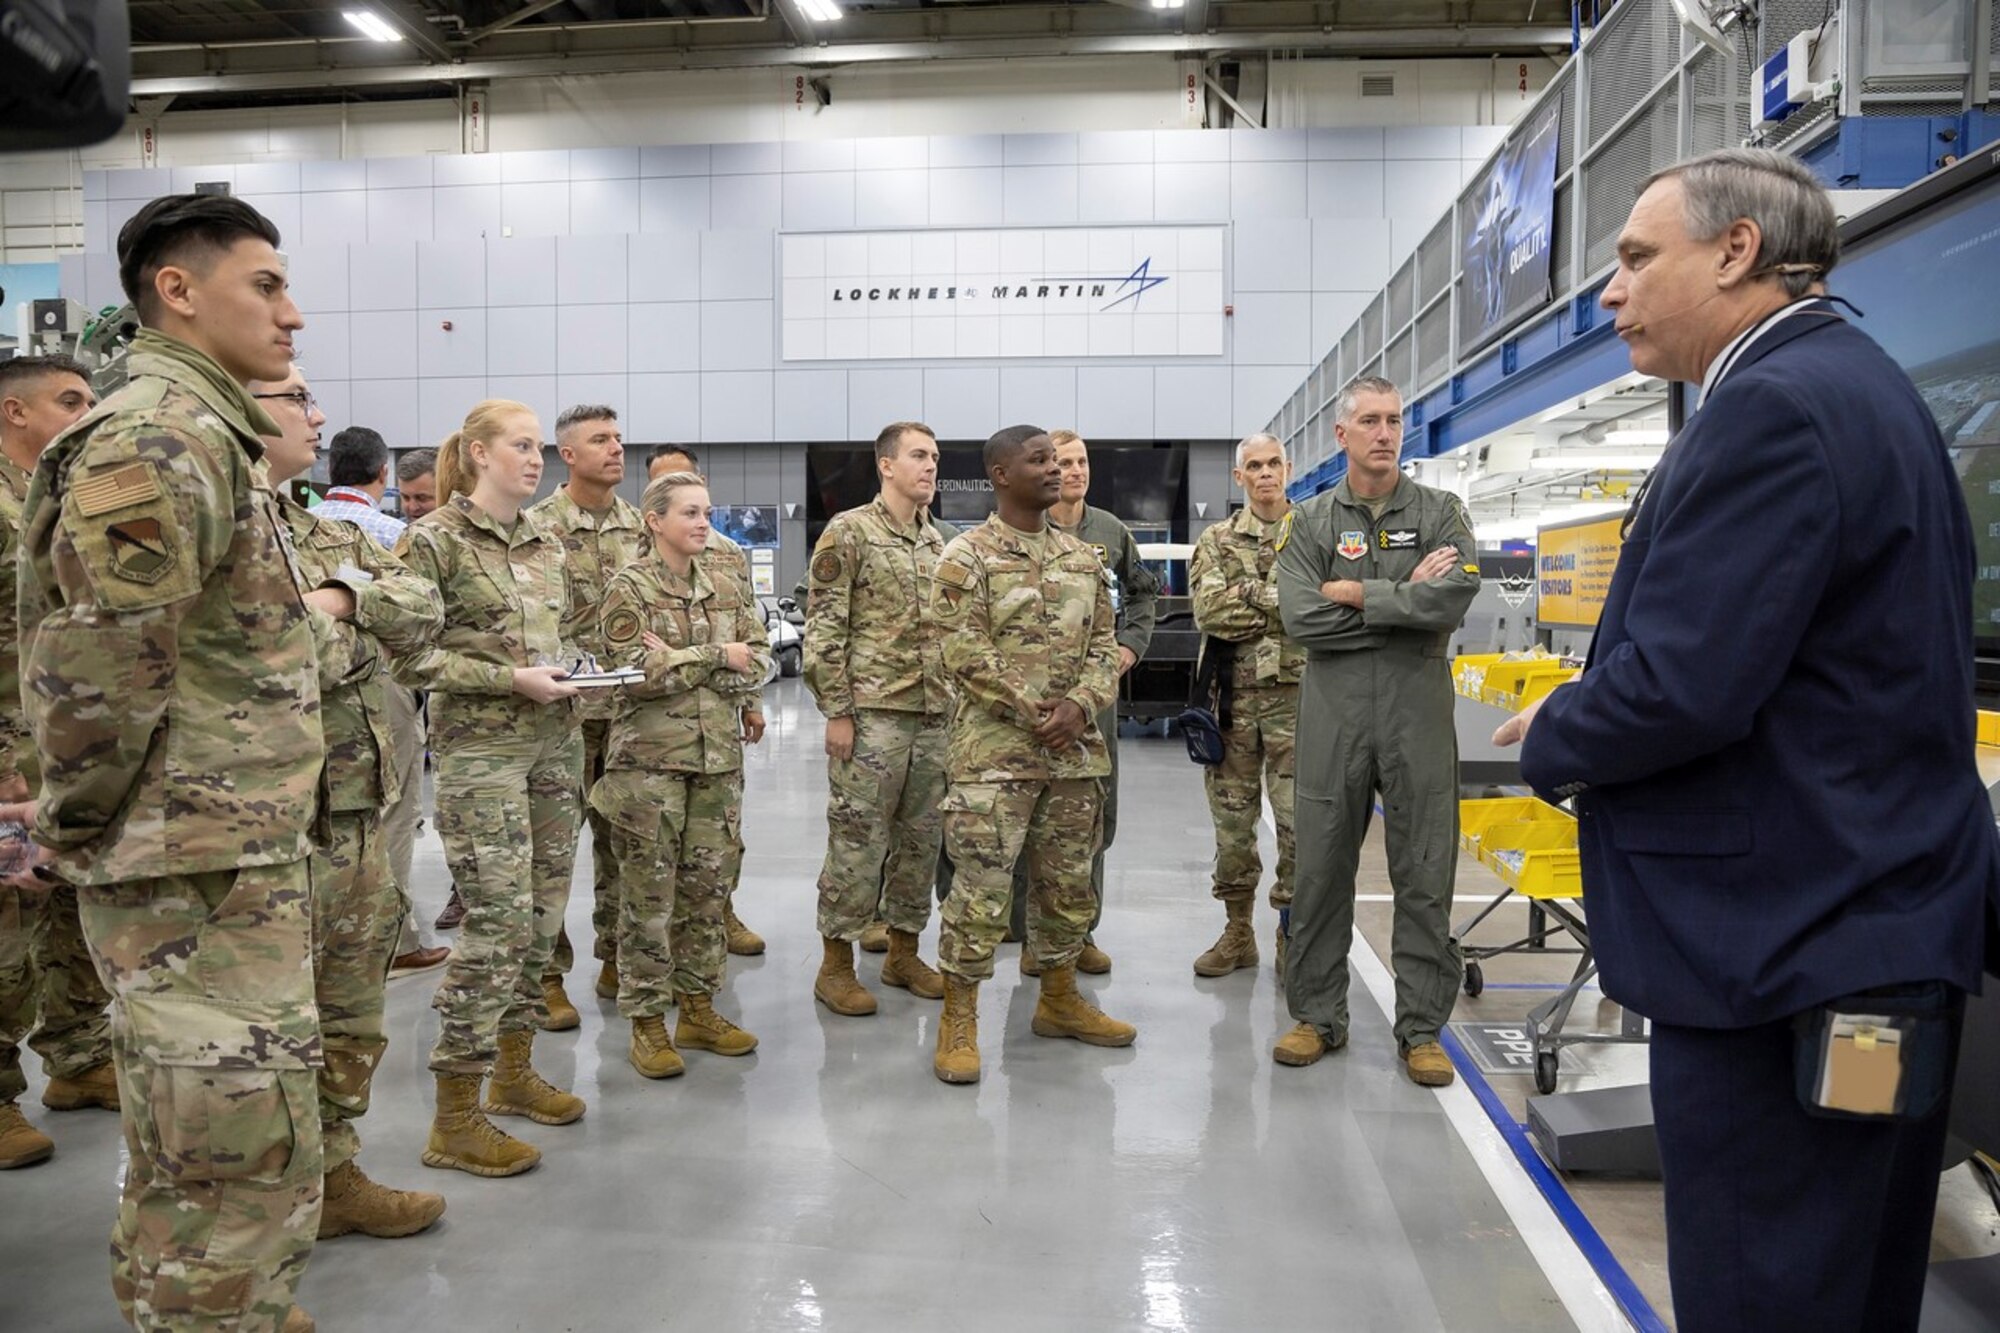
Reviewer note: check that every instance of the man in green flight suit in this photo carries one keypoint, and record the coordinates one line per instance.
(1372, 578)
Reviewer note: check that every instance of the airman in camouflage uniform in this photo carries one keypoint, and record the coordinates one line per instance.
(509, 778)
(1236, 602)
(729, 569)
(357, 906)
(42, 954)
(873, 664)
(599, 540)
(171, 684)
(672, 787)
(1025, 614)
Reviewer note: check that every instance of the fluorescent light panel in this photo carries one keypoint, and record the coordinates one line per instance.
(372, 26)
(821, 11)
(1639, 435)
(1593, 460)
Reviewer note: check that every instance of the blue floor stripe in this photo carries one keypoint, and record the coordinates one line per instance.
(1631, 1301)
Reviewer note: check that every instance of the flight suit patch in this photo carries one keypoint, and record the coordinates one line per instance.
(140, 549)
(1284, 533)
(1103, 554)
(1353, 545)
(1398, 539)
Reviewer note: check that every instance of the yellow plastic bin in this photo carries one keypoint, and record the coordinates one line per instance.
(1505, 680)
(1537, 859)
(1475, 817)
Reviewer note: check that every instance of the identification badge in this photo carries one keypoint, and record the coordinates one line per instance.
(1398, 539)
(1353, 545)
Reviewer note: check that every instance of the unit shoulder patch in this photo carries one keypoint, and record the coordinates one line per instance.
(120, 487)
(622, 626)
(826, 566)
(952, 573)
(140, 549)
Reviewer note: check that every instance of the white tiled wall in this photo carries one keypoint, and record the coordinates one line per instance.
(647, 276)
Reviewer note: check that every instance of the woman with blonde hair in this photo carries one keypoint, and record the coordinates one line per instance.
(670, 789)
(509, 755)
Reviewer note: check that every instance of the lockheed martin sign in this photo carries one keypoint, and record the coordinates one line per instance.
(1068, 292)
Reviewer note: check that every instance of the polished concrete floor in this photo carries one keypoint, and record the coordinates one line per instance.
(829, 1182)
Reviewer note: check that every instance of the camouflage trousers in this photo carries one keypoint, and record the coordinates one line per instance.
(215, 1040)
(1256, 758)
(603, 864)
(357, 916)
(677, 838)
(883, 824)
(507, 810)
(400, 820)
(45, 969)
(1052, 825)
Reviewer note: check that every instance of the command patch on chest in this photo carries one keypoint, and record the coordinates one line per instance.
(1398, 539)
(1353, 545)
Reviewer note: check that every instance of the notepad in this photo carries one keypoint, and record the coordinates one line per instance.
(1861, 1071)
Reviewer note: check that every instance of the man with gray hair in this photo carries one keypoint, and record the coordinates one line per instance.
(1373, 576)
(1256, 669)
(1786, 848)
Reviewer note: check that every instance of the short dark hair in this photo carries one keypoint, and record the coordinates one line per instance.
(356, 456)
(1004, 444)
(20, 369)
(417, 463)
(180, 229)
(660, 451)
(890, 441)
(583, 412)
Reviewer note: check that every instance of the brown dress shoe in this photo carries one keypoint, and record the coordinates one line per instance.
(453, 914)
(418, 960)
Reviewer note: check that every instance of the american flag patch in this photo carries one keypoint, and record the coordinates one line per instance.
(120, 488)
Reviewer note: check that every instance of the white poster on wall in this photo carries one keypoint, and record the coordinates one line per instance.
(1068, 292)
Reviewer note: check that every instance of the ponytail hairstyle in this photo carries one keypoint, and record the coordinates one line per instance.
(456, 473)
(659, 496)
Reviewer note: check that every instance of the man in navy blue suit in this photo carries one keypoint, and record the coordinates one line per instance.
(1771, 757)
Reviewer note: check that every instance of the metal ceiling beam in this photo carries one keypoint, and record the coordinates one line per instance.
(1349, 42)
(1194, 16)
(412, 22)
(525, 12)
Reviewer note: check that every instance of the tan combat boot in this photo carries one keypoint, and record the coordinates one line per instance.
(875, 939)
(463, 1138)
(652, 1052)
(96, 1086)
(957, 1058)
(21, 1144)
(1238, 946)
(738, 938)
(700, 1028)
(607, 980)
(1304, 1045)
(1093, 959)
(516, 1089)
(836, 986)
(1427, 1064)
(298, 1321)
(562, 1014)
(353, 1202)
(1031, 966)
(1063, 1012)
(903, 968)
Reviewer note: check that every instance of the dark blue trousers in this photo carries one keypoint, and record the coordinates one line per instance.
(1780, 1220)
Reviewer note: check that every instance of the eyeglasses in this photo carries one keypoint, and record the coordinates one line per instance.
(299, 398)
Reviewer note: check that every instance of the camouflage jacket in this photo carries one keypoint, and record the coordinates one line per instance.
(393, 610)
(869, 641)
(1019, 631)
(170, 680)
(1236, 599)
(506, 599)
(1138, 605)
(17, 752)
(597, 547)
(683, 717)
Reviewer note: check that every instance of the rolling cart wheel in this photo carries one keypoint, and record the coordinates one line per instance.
(1546, 1066)
(1475, 980)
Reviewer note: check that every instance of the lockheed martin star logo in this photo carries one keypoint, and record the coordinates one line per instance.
(1140, 280)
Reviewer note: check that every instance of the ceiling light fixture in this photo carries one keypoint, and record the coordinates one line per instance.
(372, 26)
(821, 11)
(1641, 435)
(1592, 460)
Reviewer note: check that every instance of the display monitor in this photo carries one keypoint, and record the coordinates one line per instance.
(1926, 268)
